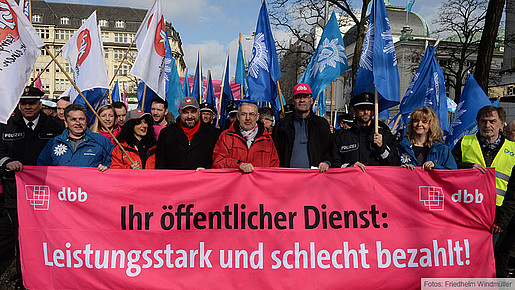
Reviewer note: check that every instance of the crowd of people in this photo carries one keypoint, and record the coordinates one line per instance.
(253, 137)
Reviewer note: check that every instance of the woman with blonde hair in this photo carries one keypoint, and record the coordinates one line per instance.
(108, 115)
(423, 145)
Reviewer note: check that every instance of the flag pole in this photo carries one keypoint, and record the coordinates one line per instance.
(396, 123)
(376, 111)
(221, 92)
(89, 105)
(332, 87)
(241, 85)
(143, 98)
(280, 98)
(48, 64)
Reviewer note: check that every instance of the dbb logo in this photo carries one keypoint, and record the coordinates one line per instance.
(83, 45)
(467, 197)
(68, 195)
(508, 152)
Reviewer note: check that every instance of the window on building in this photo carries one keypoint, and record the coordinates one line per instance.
(120, 38)
(103, 23)
(106, 53)
(105, 36)
(120, 24)
(45, 83)
(118, 54)
(43, 33)
(63, 34)
(65, 21)
(36, 18)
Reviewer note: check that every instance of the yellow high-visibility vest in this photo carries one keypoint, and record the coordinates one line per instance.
(503, 161)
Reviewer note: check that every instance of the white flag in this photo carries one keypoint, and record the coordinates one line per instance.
(142, 31)
(20, 46)
(85, 54)
(150, 62)
(24, 5)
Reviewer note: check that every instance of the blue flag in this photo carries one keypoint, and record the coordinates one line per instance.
(321, 107)
(115, 93)
(149, 95)
(186, 86)
(264, 70)
(225, 94)
(197, 82)
(329, 60)
(384, 114)
(94, 96)
(210, 94)
(464, 122)
(240, 75)
(276, 106)
(410, 5)
(378, 63)
(174, 92)
(427, 88)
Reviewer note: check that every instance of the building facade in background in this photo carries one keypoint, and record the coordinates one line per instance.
(57, 22)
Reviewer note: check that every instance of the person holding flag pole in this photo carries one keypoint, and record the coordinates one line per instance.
(25, 133)
(83, 52)
(378, 73)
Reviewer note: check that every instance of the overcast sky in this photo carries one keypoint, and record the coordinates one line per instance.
(213, 26)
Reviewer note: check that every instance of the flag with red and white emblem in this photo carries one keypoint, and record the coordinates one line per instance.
(85, 54)
(20, 46)
(150, 64)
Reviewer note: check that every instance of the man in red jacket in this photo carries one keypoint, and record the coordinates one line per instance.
(247, 143)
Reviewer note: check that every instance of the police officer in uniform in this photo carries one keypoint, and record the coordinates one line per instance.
(21, 141)
(207, 113)
(360, 145)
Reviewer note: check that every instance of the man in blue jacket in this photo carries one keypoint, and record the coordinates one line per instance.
(77, 145)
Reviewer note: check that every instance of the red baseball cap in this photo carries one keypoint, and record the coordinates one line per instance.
(302, 88)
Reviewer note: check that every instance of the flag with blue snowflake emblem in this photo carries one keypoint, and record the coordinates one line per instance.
(329, 60)
(427, 88)
(264, 70)
(464, 122)
(378, 63)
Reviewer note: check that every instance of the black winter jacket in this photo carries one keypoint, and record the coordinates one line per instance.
(356, 144)
(319, 139)
(174, 151)
(19, 143)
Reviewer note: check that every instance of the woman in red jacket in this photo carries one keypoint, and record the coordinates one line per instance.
(137, 138)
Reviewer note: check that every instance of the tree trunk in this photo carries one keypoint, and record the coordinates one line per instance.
(487, 44)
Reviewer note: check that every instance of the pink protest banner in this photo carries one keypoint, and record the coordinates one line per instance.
(273, 228)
